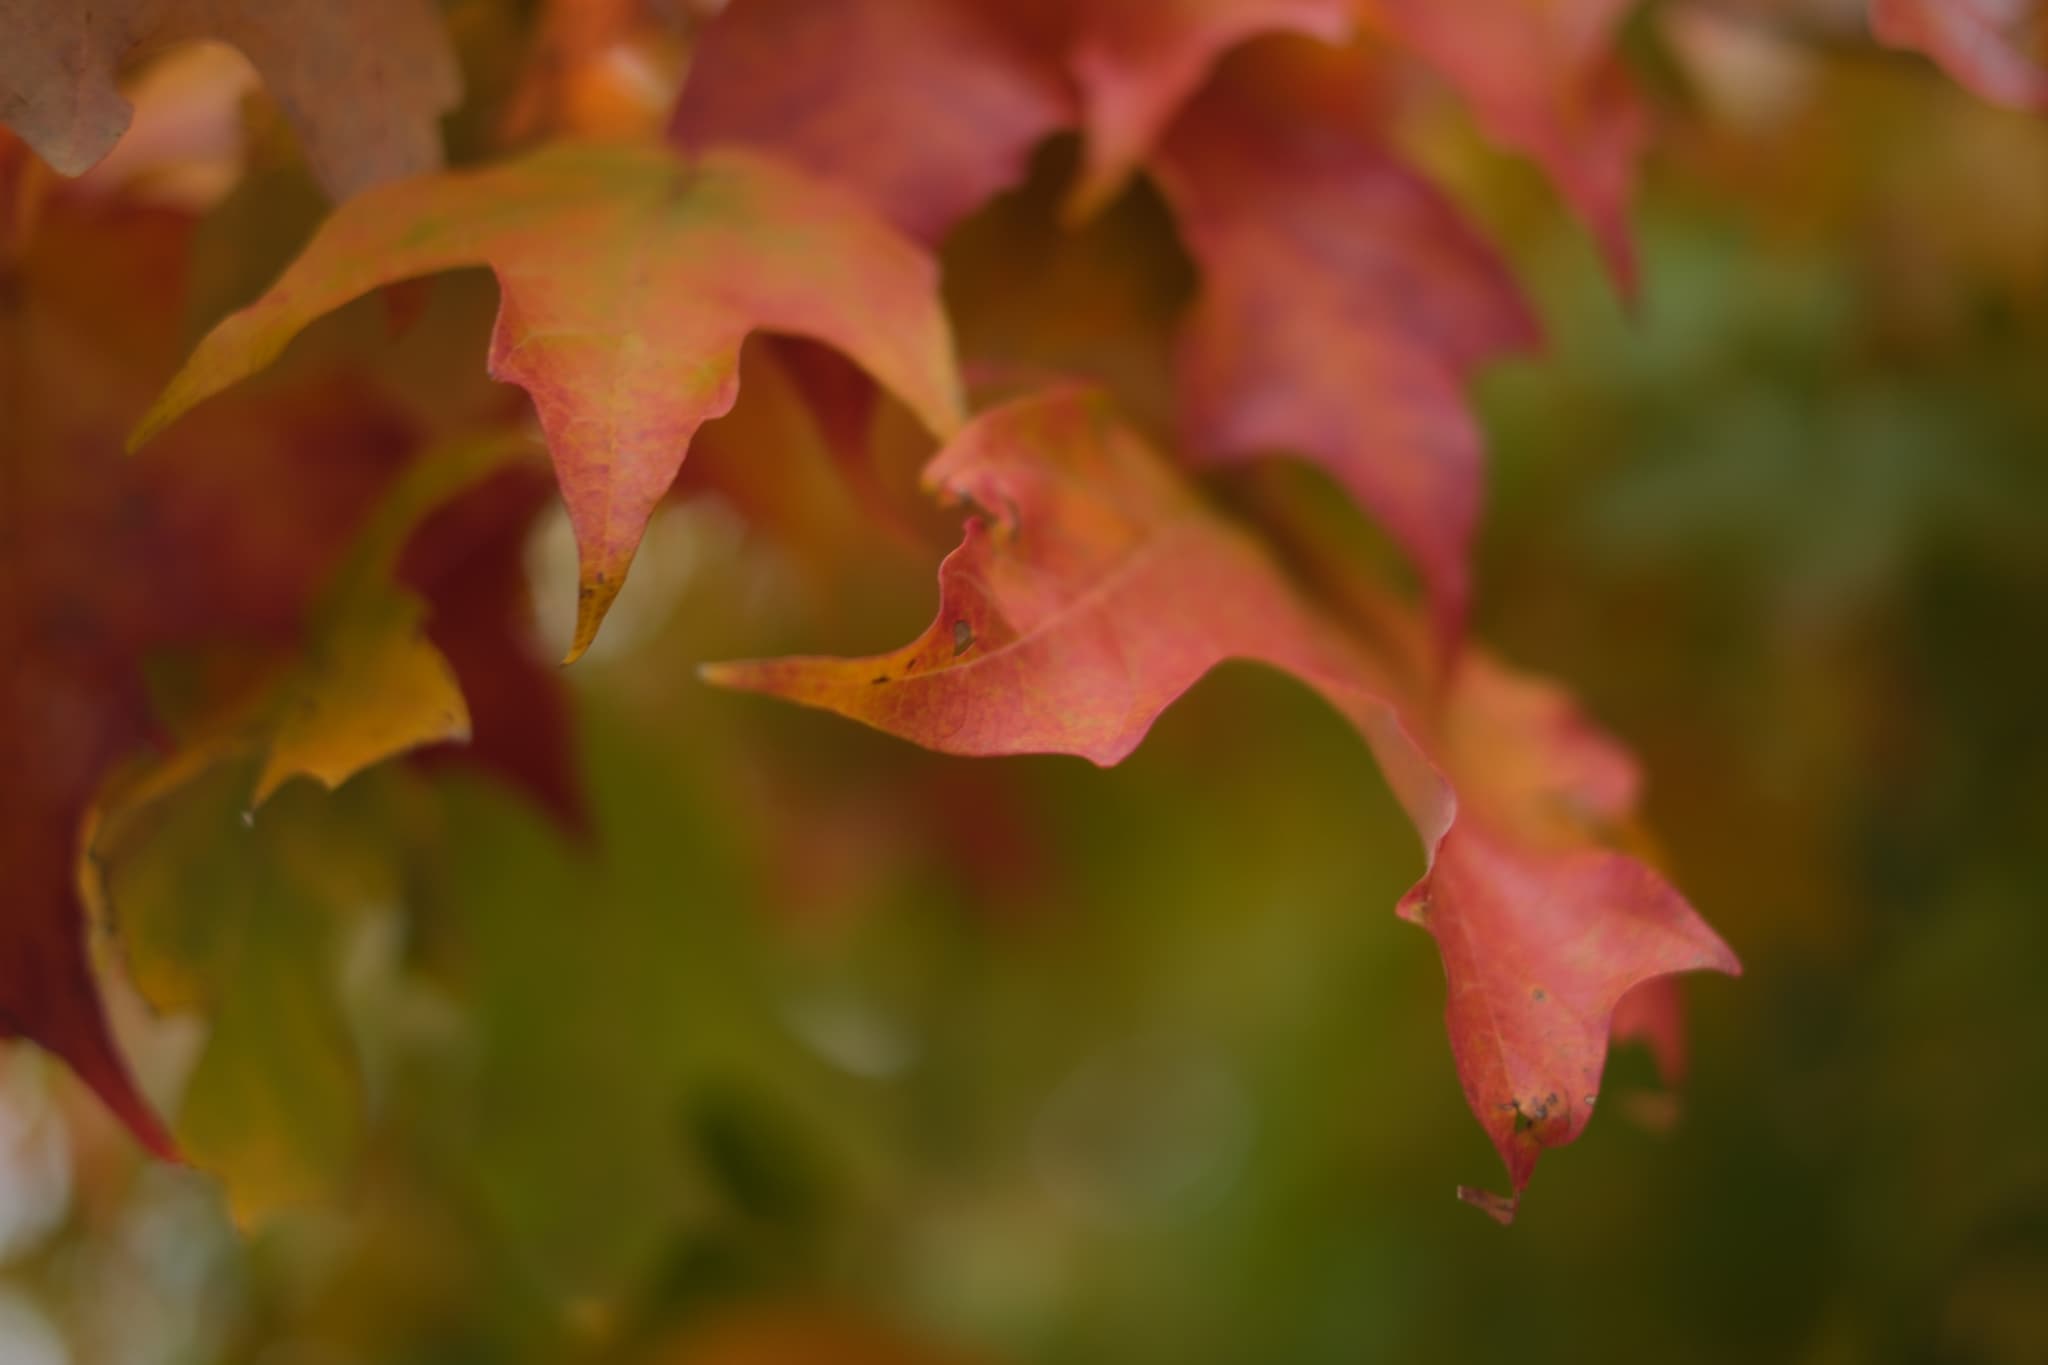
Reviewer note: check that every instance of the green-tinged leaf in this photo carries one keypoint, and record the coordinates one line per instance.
(372, 684)
(221, 534)
(229, 910)
(237, 919)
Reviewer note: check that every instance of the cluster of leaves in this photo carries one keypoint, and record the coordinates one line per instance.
(321, 570)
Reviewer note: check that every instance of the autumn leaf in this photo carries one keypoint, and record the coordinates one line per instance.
(1137, 62)
(927, 108)
(303, 579)
(1978, 42)
(1543, 80)
(1343, 301)
(371, 683)
(365, 84)
(216, 541)
(1094, 587)
(628, 279)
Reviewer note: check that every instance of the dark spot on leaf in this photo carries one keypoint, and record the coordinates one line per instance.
(879, 681)
(1538, 994)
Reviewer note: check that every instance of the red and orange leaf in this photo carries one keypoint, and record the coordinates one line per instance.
(925, 108)
(1343, 301)
(1979, 42)
(1094, 588)
(1538, 950)
(1543, 80)
(628, 279)
(364, 83)
(1137, 62)
(930, 107)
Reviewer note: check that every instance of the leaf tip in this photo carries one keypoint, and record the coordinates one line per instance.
(279, 769)
(742, 675)
(593, 600)
(107, 1075)
(267, 783)
(160, 415)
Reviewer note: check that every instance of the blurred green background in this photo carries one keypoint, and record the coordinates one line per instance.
(1070, 1066)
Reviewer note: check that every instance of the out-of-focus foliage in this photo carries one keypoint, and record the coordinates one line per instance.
(802, 1044)
(60, 76)
(629, 277)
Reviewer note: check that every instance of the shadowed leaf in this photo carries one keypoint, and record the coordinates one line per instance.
(1343, 301)
(236, 918)
(221, 534)
(1543, 80)
(372, 683)
(927, 108)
